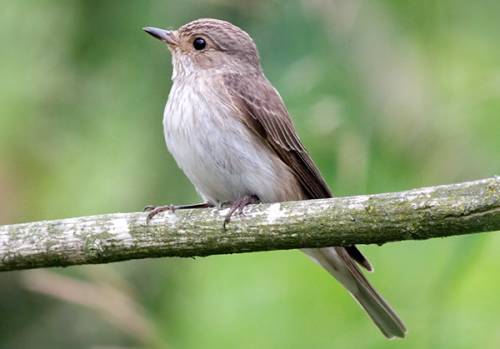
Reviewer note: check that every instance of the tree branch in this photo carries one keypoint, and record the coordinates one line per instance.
(417, 214)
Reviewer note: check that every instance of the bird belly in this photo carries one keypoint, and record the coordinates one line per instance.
(219, 155)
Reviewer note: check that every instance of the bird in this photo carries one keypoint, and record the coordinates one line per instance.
(230, 132)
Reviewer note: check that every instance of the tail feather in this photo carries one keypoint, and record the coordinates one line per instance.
(338, 263)
(356, 254)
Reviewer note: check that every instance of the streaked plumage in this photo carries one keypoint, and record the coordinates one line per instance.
(214, 151)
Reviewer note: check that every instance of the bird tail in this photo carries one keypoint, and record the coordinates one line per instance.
(339, 264)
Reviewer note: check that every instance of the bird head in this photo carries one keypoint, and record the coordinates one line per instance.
(208, 45)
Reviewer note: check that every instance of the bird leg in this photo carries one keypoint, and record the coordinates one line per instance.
(154, 210)
(239, 205)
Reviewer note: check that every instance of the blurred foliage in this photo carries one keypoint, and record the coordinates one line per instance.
(387, 95)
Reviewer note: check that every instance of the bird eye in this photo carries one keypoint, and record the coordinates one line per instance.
(199, 44)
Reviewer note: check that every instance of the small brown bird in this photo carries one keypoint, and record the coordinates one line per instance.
(230, 132)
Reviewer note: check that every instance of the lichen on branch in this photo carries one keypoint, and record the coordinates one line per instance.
(417, 214)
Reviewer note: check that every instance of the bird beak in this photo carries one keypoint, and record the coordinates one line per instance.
(167, 36)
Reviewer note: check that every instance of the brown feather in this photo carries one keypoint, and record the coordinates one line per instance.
(266, 115)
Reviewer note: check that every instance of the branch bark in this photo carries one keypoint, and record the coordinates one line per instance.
(417, 214)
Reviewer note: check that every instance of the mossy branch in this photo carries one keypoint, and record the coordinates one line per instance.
(417, 214)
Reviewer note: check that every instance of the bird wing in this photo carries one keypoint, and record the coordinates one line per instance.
(265, 114)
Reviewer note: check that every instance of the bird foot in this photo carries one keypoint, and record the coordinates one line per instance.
(154, 210)
(238, 205)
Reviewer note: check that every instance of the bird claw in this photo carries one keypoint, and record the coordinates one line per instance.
(238, 206)
(154, 210)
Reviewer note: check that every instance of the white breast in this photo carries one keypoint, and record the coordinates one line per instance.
(218, 154)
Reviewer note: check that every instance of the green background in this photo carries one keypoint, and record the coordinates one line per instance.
(386, 95)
